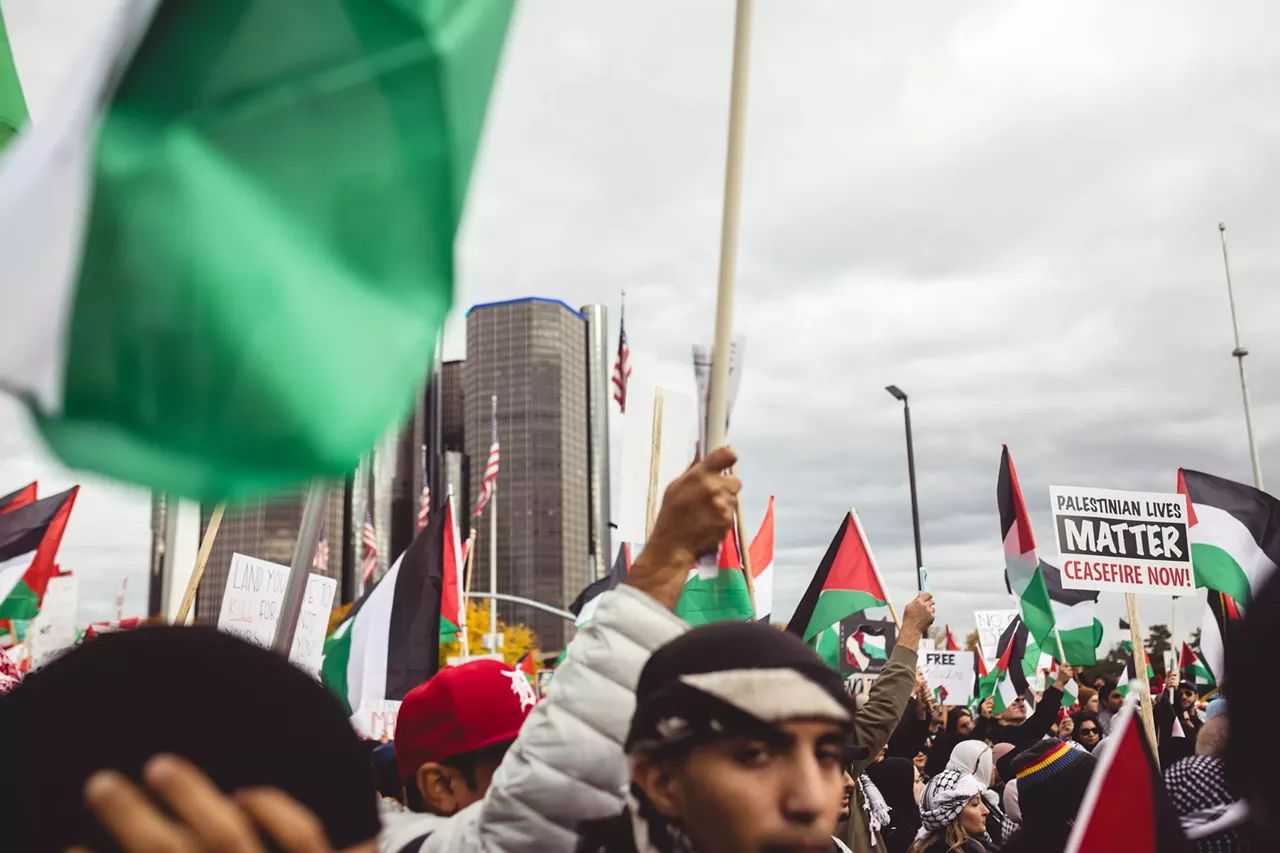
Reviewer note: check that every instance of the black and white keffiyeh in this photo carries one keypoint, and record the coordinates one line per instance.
(874, 805)
(1212, 817)
(944, 798)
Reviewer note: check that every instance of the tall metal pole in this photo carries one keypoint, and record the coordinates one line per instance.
(911, 476)
(304, 555)
(1239, 353)
(493, 546)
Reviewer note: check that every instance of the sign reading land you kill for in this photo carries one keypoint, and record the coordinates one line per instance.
(1122, 541)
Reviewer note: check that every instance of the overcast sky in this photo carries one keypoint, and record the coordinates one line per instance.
(1007, 209)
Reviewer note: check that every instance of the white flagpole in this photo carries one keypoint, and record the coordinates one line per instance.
(1239, 353)
(719, 392)
(493, 546)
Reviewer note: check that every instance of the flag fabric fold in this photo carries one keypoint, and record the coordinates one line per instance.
(846, 581)
(584, 606)
(761, 552)
(13, 106)
(723, 597)
(452, 608)
(29, 540)
(490, 479)
(21, 497)
(1017, 657)
(234, 234)
(1194, 671)
(622, 367)
(1234, 534)
(390, 641)
(1023, 575)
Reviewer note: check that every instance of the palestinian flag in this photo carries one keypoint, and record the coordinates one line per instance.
(528, 667)
(1017, 658)
(1234, 534)
(1221, 620)
(390, 641)
(234, 234)
(29, 539)
(1022, 572)
(846, 581)
(1075, 616)
(940, 695)
(723, 597)
(453, 614)
(951, 642)
(13, 107)
(761, 552)
(1131, 666)
(1125, 806)
(862, 648)
(1070, 693)
(22, 497)
(1194, 670)
(584, 606)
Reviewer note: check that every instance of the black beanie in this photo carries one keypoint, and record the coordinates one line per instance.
(243, 715)
(1052, 778)
(731, 678)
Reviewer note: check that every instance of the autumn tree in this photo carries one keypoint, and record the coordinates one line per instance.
(971, 641)
(518, 639)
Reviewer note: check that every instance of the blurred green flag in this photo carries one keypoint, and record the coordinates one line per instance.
(13, 107)
(235, 234)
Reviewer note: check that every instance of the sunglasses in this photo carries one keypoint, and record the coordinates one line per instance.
(1088, 731)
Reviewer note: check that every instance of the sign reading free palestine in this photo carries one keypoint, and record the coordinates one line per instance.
(1122, 541)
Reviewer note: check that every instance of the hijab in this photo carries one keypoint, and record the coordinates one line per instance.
(975, 758)
(896, 778)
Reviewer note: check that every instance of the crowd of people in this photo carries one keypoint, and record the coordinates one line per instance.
(654, 738)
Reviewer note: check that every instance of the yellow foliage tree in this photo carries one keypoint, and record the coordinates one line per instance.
(518, 639)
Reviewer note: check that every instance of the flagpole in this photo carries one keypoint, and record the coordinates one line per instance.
(1239, 353)
(493, 546)
(875, 567)
(717, 406)
(206, 547)
(655, 459)
(304, 555)
(1140, 666)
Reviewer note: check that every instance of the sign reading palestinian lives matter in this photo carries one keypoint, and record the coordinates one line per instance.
(865, 645)
(1122, 541)
(991, 625)
(949, 675)
(251, 607)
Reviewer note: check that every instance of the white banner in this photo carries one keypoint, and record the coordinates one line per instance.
(54, 628)
(308, 640)
(251, 606)
(991, 624)
(949, 675)
(1122, 541)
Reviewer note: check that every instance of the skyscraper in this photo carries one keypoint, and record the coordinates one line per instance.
(531, 354)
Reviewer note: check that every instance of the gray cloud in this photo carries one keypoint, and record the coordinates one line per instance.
(1008, 210)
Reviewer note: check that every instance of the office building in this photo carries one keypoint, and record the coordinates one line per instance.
(531, 353)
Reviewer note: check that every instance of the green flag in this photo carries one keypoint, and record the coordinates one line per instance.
(235, 238)
(13, 107)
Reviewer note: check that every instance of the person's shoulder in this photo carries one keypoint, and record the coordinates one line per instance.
(405, 830)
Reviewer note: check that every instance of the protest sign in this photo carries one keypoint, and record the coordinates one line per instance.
(865, 644)
(949, 675)
(251, 602)
(702, 378)
(991, 624)
(375, 719)
(54, 628)
(308, 640)
(1122, 541)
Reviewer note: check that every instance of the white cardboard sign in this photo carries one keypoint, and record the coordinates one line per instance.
(991, 625)
(1122, 541)
(952, 672)
(251, 607)
(376, 719)
(54, 628)
(308, 640)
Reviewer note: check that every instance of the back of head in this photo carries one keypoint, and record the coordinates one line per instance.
(1213, 737)
(1199, 792)
(1052, 779)
(975, 758)
(1252, 751)
(1086, 693)
(243, 715)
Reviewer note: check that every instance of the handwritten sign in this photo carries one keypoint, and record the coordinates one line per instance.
(308, 640)
(376, 719)
(991, 624)
(1122, 541)
(949, 675)
(54, 629)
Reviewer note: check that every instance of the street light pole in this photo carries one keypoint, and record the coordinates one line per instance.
(1239, 353)
(899, 394)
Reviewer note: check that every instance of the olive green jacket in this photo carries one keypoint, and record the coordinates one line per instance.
(874, 725)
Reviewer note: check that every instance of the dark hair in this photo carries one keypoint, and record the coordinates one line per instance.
(1107, 689)
(1079, 718)
(953, 719)
(466, 763)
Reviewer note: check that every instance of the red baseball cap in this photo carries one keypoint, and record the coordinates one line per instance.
(461, 709)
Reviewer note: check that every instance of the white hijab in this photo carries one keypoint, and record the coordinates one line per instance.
(973, 757)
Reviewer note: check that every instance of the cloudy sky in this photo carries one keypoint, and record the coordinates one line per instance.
(1008, 209)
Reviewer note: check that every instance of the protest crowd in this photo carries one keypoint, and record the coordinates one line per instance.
(240, 223)
(732, 736)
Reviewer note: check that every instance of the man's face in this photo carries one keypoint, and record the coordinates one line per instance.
(965, 725)
(1114, 700)
(1187, 697)
(848, 795)
(1015, 713)
(745, 795)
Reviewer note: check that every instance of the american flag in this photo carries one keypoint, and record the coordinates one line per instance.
(622, 368)
(490, 475)
(424, 503)
(370, 540)
(321, 562)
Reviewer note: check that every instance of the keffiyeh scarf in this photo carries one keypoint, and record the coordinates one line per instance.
(944, 798)
(874, 805)
(1211, 816)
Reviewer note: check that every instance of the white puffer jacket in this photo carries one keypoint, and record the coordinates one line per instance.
(567, 766)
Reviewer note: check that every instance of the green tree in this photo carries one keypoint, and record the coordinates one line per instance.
(1195, 639)
(1158, 644)
(971, 642)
